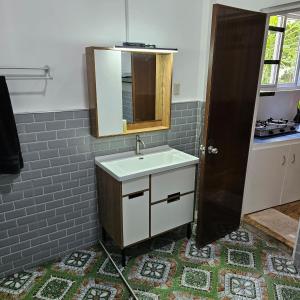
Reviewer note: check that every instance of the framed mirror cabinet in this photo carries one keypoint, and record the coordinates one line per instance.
(129, 89)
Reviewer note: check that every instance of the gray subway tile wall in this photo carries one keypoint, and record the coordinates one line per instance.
(51, 207)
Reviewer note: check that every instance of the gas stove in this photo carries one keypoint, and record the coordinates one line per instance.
(273, 127)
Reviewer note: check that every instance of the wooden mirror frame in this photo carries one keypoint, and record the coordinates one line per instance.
(163, 93)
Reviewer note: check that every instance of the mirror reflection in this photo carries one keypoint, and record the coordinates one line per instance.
(139, 87)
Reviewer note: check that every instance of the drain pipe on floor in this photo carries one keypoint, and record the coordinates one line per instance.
(120, 273)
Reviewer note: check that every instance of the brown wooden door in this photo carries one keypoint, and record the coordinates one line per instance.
(235, 55)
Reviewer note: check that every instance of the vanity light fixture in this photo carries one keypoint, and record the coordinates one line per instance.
(141, 47)
(150, 50)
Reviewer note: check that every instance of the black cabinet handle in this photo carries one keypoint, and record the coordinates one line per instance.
(135, 195)
(173, 197)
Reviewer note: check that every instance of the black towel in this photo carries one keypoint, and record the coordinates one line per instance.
(11, 160)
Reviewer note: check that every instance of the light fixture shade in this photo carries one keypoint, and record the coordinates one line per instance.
(146, 49)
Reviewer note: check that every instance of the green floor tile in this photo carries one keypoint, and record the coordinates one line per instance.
(238, 266)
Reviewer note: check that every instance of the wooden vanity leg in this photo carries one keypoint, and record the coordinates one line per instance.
(123, 257)
(189, 231)
(103, 234)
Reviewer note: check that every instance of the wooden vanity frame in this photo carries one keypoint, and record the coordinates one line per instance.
(110, 204)
(164, 73)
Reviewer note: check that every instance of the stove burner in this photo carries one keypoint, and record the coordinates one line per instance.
(279, 121)
(272, 127)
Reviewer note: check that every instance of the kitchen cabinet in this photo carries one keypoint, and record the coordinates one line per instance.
(265, 176)
(291, 187)
(272, 177)
(135, 210)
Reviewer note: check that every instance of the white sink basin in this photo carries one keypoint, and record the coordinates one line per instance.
(127, 165)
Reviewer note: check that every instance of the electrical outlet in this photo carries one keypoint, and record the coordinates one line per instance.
(176, 89)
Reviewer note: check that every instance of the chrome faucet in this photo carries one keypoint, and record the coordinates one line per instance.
(138, 141)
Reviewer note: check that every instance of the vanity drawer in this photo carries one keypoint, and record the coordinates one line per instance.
(135, 218)
(135, 185)
(172, 213)
(164, 184)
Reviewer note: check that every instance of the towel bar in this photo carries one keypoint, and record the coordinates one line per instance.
(45, 76)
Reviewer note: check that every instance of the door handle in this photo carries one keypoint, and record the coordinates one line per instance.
(173, 197)
(283, 160)
(135, 195)
(294, 159)
(212, 150)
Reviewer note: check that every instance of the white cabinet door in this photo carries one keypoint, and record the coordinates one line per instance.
(265, 176)
(171, 214)
(291, 187)
(109, 92)
(135, 218)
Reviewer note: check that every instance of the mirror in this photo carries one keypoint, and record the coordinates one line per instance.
(129, 91)
(139, 87)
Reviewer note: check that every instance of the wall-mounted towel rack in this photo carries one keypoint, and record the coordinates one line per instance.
(45, 76)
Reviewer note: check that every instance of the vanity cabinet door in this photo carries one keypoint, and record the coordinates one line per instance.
(165, 184)
(291, 187)
(171, 213)
(135, 217)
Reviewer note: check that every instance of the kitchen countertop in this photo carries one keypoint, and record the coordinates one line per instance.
(282, 139)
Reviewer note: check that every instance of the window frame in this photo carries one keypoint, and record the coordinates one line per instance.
(283, 86)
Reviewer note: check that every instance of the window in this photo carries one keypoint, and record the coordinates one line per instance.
(281, 67)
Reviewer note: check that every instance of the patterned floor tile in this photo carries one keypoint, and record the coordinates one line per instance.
(163, 245)
(240, 258)
(152, 270)
(145, 295)
(107, 267)
(101, 290)
(282, 266)
(18, 283)
(77, 261)
(54, 288)
(195, 278)
(244, 269)
(242, 287)
(194, 254)
(241, 237)
(178, 295)
(285, 292)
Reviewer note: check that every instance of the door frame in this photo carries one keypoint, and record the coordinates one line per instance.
(256, 105)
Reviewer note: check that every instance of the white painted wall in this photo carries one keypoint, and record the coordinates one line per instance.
(36, 33)
(39, 32)
(282, 105)
(172, 23)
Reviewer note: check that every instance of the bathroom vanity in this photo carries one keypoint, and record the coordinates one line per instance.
(142, 196)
